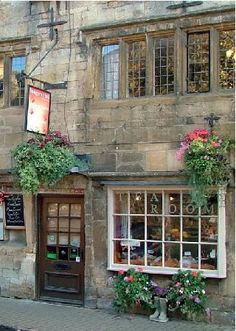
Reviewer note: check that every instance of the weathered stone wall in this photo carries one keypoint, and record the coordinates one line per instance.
(124, 135)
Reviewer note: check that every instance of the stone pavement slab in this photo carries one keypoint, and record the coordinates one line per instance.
(40, 316)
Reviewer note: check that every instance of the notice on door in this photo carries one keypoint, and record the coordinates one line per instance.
(14, 211)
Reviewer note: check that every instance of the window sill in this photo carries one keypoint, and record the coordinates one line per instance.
(166, 271)
(167, 99)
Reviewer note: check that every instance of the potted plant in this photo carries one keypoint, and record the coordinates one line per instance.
(205, 156)
(131, 289)
(42, 160)
(159, 302)
(187, 293)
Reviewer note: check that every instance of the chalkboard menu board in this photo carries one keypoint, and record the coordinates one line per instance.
(14, 210)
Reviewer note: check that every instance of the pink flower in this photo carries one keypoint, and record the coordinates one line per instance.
(121, 272)
(178, 284)
(140, 269)
(180, 153)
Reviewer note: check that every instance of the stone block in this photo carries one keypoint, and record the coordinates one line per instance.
(156, 161)
(103, 162)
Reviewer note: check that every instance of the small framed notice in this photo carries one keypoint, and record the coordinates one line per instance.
(14, 212)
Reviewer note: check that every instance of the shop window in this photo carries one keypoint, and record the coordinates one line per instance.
(162, 231)
(198, 57)
(12, 82)
(227, 59)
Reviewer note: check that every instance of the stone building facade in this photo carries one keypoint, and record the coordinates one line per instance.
(131, 95)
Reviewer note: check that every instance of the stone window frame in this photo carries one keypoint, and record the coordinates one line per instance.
(180, 60)
(10, 49)
(220, 272)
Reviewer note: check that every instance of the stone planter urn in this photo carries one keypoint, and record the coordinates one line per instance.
(160, 314)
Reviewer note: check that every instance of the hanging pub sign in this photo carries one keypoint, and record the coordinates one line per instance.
(37, 111)
(14, 211)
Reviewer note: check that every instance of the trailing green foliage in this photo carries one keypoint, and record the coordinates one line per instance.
(205, 156)
(132, 288)
(187, 293)
(42, 160)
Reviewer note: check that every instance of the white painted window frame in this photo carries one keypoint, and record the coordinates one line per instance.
(220, 272)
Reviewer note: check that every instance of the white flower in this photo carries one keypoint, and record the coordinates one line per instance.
(203, 291)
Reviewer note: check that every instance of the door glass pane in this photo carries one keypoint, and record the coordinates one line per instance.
(75, 240)
(75, 210)
(63, 210)
(63, 239)
(75, 225)
(52, 209)
(52, 238)
(51, 253)
(64, 224)
(52, 224)
(73, 254)
(63, 253)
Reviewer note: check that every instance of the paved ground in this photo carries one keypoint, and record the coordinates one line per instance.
(40, 316)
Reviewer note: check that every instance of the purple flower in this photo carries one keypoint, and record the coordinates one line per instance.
(126, 279)
(197, 300)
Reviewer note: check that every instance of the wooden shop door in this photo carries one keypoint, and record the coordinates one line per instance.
(61, 249)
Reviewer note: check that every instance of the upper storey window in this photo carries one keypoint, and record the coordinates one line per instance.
(110, 72)
(17, 82)
(170, 63)
(227, 59)
(164, 65)
(136, 68)
(198, 76)
(12, 82)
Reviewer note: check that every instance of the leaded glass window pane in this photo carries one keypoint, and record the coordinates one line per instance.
(17, 81)
(1, 80)
(136, 68)
(227, 59)
(110, 72)
(198, 78)
(164, 65)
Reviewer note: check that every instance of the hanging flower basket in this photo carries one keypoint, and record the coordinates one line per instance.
(43, 160)
(205, 156)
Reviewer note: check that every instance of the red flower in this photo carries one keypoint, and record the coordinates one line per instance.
(121, 272)
(214, 144)
(194, 273)
(130, 278)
